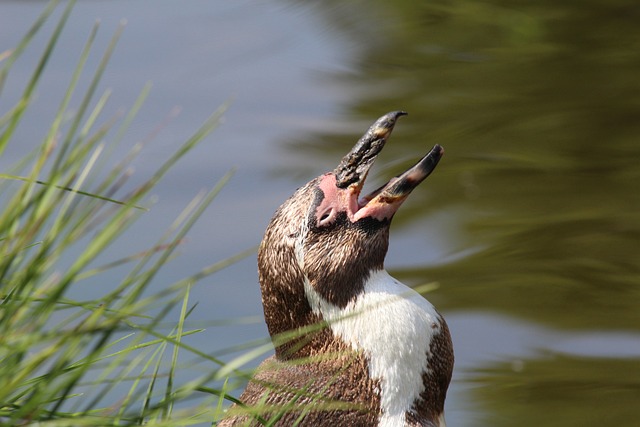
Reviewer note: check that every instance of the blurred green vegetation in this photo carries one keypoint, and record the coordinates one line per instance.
(589, 392)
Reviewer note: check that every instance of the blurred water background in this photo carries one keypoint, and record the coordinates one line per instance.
(530, 225)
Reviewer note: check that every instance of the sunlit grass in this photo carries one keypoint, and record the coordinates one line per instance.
(112, 359)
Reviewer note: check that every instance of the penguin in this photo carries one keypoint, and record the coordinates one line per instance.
(353, 345)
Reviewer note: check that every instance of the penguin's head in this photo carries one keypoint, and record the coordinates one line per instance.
(330, 235)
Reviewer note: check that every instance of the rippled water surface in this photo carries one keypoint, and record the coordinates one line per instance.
(530, 224)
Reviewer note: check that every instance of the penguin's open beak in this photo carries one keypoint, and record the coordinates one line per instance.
(352, 171)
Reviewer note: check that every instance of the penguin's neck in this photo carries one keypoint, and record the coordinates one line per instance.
(294, 327)
(394, 327)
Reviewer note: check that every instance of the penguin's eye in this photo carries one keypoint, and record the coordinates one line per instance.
(327, 217)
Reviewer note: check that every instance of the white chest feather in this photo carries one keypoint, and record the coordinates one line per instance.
(393, 325)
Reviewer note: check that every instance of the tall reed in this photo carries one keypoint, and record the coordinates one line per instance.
(110, 360)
